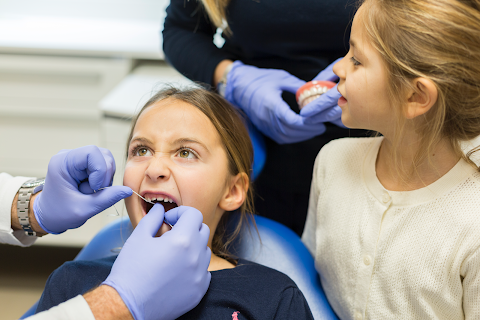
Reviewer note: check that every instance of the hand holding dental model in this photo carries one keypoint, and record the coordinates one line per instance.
(258, 92)
(321, 105)
(152, 274)
(68, 199)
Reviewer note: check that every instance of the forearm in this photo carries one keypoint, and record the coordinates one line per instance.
(106, 304)
(220, 71)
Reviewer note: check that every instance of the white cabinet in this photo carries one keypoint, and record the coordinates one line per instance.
(51, 103)
(58, 59)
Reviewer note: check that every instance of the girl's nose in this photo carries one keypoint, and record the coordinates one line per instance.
(158, 169)
(339, 69)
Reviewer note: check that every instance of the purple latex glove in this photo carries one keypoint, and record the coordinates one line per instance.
(163, 277)
(258, 92)
(67, 200)
(325, 108)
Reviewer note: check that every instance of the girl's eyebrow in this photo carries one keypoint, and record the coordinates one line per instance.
(142, 140)
(190, 140)
(176, 142)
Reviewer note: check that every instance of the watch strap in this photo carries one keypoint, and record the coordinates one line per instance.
(23, 205)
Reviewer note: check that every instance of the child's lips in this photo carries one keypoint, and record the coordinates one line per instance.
(342, 101)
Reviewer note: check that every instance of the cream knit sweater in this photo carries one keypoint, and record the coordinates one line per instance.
(393, 255)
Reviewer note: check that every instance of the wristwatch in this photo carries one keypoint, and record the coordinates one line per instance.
(25, 193)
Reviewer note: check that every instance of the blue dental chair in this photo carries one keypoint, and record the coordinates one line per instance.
(279, 248)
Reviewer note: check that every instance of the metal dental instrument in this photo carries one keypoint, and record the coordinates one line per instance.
(164, 220)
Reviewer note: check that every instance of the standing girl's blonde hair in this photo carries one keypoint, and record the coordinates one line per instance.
(438, 40)
(217, 12)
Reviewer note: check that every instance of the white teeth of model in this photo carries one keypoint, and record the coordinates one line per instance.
(170, 200)
(165, 200)
(160, 199)
(153, 199)
(148, 199)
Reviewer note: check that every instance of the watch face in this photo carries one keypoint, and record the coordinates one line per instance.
(34, 183)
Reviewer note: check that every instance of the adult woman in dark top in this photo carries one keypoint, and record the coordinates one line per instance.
(300, 37)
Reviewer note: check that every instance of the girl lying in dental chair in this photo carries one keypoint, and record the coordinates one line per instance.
(191, 148)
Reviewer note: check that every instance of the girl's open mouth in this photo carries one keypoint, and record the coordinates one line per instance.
(168, 204)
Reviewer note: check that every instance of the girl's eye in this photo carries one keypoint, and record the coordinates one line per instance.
(142, 152)
(186, 154)
(355, 61)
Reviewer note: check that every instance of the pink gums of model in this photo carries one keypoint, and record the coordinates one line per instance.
(312, 90)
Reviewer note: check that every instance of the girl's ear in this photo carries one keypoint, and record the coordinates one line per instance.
(421, 98)
(236, 193)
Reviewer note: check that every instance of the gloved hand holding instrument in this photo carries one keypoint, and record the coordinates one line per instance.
(68, 200)
(163, 277)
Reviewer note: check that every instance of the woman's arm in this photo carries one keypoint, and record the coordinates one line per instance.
(188, 42)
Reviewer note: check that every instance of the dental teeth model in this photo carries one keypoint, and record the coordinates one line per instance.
(311, 91)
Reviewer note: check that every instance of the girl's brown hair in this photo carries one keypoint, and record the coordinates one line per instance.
(236, 141)
(438, 40)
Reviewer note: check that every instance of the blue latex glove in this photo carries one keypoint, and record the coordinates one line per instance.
(258, 92)
(325, 108)
(163, 277)
(67, 200)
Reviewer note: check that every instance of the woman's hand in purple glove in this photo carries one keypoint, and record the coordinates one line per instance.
(68, 199)
(258, 92)
(163, 277)
(325, 108)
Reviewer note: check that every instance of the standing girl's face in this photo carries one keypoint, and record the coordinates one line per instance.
(176, 154)
(363, 83)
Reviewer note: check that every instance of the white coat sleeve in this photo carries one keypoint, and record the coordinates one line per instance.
(74, 309)
(8, 189)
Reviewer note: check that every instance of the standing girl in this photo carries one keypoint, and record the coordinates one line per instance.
(394, 221)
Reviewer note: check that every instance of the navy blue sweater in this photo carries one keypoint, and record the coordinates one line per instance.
(248, 291)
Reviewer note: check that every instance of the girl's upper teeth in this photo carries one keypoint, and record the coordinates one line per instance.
(166, 199)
